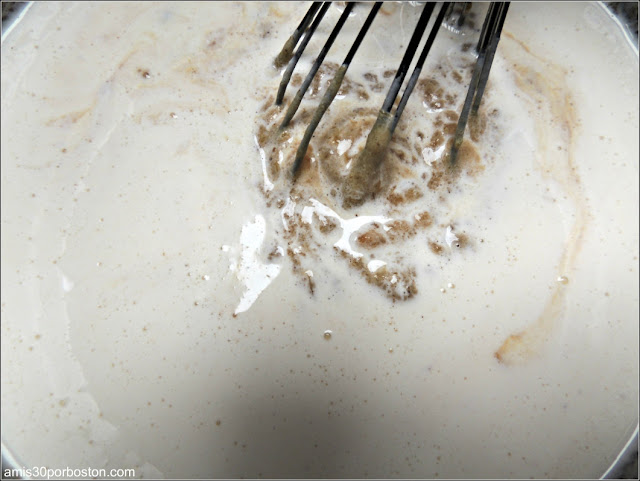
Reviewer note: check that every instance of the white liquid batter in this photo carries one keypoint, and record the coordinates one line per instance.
(152, 318)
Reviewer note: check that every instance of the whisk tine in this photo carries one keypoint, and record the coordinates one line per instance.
(487, 27)
(408, 57)
(491, 51)
(489, 37)
(362, 33)
(418, 68)
(295, 103)
(456, 14)
(332, 90)
(450, 8)
(463, 14)
(287, 50)
(370, 158)
(384, 121)
(372, 155)
(294, 60)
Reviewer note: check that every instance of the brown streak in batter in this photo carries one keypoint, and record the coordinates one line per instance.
(551, 90)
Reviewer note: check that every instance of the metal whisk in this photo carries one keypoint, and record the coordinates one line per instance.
(384, 126)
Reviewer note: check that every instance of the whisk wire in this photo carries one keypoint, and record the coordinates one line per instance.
(408, 57)
(296, 56)
(332, 90)
(385, 124)
(489, 36)
(419, 64)
(372, 155)
(287, 51)
(491, 51)
(295, 103)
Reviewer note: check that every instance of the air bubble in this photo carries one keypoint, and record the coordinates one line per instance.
(563, 279)
(327, 334)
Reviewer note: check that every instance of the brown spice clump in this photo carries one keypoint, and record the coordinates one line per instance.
(399, 285)
(403, 174)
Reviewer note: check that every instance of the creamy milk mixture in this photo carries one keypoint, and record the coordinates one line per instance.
(173, 303)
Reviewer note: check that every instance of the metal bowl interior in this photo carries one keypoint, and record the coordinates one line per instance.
(625, 14)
